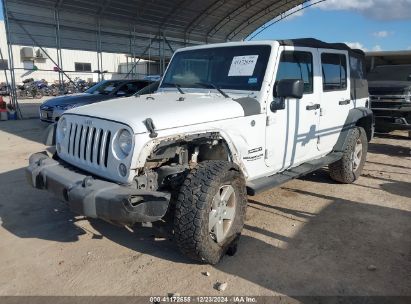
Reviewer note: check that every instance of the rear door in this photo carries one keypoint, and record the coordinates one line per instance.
(335, 97)
(291, 133)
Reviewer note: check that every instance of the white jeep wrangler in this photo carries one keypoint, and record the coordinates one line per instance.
(228, 120)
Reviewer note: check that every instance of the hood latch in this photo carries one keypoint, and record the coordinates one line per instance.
(150, 127)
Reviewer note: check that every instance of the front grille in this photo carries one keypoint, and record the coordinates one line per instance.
(386, 91)
(386, 104)
(89, 144)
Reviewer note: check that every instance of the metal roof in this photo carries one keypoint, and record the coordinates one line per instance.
(129, 26)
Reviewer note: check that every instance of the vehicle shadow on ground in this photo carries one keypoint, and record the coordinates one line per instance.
(329, 253)
(31, 129)
(393, 186)
(155, 240)
(320, 176)
(389, 185)
(388, 165)
(391, 150)
(30, 213)
(392, 136)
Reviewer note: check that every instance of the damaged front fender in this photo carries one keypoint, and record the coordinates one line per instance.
(150, 147)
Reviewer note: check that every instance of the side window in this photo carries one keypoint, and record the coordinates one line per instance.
(334, 69)
(358, 81)
(297, 65)
(357, 68)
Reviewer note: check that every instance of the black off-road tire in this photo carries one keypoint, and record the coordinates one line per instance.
(342, 170)
(193, 207)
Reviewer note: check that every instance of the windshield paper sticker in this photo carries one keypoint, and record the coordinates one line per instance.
(243, 65)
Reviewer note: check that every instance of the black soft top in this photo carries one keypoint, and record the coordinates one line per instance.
(318, 44)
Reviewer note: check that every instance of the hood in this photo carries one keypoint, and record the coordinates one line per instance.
(167, 110)
(82, 98)
(389, 86)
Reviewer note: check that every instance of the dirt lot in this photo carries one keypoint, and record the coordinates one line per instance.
(309, 237)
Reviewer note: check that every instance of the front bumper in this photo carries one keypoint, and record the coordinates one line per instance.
(393, 118)
(93, 197)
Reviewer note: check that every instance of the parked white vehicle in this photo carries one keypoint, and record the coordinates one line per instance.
(227, 120)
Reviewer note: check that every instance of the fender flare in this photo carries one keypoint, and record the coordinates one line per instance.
(356, 117)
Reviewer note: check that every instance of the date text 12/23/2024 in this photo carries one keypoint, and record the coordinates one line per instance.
(203, 299)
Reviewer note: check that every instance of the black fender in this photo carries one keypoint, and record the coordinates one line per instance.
(357, 117)
(49, 135)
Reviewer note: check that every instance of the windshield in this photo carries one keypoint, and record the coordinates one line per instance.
(104, 87)
(233, 68)
(151, 88)
(390, 73)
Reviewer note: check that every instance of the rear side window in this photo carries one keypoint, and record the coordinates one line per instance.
(357, 67)
(334, 69)
(297, 65)
(358, 81)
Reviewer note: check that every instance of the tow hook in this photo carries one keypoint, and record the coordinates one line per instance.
(87, 181)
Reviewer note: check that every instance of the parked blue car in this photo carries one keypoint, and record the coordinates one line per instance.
(53, 108)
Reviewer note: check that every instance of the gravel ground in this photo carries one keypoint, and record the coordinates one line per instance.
(310, 237)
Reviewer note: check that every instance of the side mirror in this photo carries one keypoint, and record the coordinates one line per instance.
(286, 88)
(121, 93)
(290, 88)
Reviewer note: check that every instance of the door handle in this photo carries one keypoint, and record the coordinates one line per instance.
(313, 107)
(344, 102)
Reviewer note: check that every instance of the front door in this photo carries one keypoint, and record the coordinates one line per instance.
(335, 97)
(291, 133)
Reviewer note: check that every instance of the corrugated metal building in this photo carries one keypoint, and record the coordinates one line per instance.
(151, 30)
(31, 62)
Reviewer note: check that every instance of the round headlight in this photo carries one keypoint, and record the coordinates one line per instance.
(63, 127)
(125, 141)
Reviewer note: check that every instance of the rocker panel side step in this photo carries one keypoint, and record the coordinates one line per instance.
(264, 183)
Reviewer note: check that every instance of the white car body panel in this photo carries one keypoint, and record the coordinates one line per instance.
(333, 115)
(292, 133)
(165, 110)
(245, 140)
(262, 144)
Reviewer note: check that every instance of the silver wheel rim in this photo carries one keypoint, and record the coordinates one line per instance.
(222, 213)
(357, 155)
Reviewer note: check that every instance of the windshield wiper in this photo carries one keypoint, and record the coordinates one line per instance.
(175, 85)
(209, 84)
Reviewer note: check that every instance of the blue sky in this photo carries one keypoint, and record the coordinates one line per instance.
(1, 10)
(368, 24)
